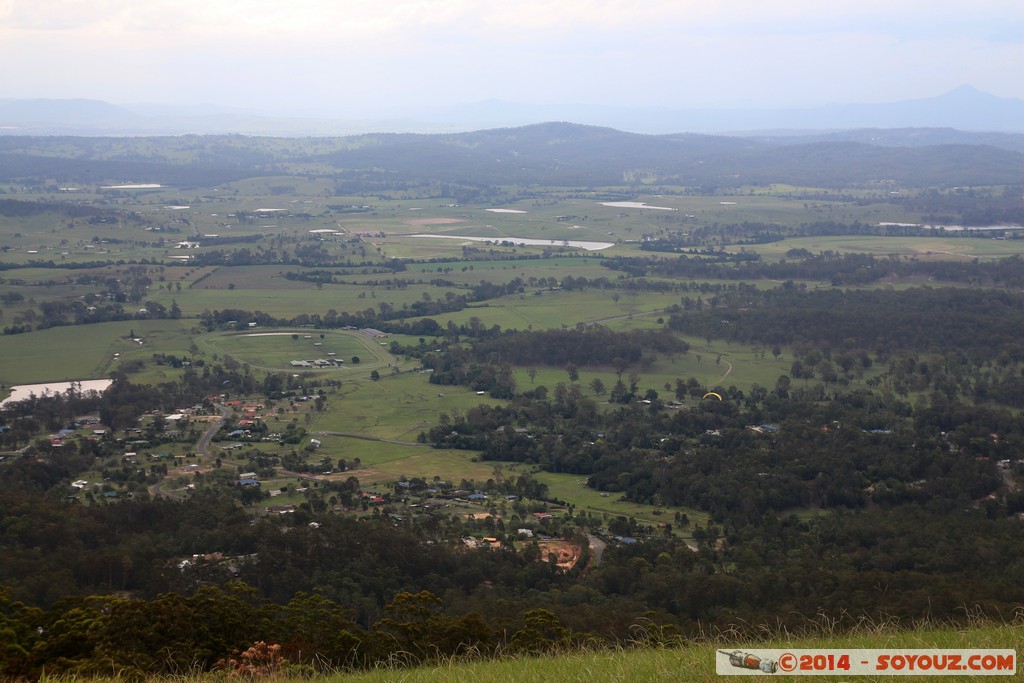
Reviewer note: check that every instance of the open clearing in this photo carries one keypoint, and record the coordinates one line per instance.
(566, 554)
(278, 350)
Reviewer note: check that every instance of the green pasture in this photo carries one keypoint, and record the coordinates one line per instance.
(290, 301)
(255, 289)
(382, 464)
(587, 265)
(397, 407)
(938, 248)
(241, 278)
(503, 227)
(277, 349)
(548, 309)
(412, 248)
(573, 489)
(86, 351)
(716, 366)
(273, 350)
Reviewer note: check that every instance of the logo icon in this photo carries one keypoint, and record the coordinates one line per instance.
(745, 660)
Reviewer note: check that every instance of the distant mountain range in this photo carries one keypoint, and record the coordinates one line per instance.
(964, 108)
(548, 154)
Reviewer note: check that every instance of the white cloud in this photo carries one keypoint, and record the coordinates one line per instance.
(531, 50)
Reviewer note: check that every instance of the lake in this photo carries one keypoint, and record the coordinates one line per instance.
(637, 205)
(579, 244)
(23, 391)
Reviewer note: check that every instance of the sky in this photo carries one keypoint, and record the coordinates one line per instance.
(351, 57)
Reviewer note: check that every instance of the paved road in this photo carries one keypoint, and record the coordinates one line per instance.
(204, 440)
(596, 548)
(202, 447)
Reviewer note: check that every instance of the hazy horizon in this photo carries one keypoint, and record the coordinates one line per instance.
(359, 58)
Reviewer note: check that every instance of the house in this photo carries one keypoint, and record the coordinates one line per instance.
(254, 483)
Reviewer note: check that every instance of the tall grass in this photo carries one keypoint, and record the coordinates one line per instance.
(651, 656)
(693, 659)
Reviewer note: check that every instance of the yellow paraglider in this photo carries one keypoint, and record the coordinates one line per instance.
(711, 393)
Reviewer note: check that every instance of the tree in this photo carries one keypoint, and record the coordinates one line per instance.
(355, 360)
(374, 375)
(598, 386)
(681, 390)
(572, 371)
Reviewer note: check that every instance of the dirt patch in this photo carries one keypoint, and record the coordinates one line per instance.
(433, 221)
(568, 554)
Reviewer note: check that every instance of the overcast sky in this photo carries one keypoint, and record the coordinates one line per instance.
(343, 57)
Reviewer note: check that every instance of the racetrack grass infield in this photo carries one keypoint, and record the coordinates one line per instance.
(275, 349)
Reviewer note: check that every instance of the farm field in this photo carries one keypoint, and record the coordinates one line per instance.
(936, 248)
(394, 407)
(275, 350)
(573, 488)
(86, 351)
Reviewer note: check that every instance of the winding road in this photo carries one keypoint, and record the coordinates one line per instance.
(204, 440)
(202, 446)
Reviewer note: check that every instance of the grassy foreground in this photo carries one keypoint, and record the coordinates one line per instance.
(695, 661)
(692, 660)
